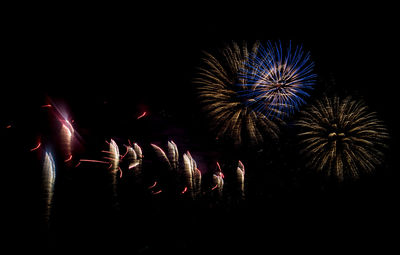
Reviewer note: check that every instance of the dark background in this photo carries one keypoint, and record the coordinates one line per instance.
(107, 70)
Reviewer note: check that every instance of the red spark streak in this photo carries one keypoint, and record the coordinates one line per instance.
(240, 162)
(46, 105)
(123, 156)
(108, 152)
(37, 147)
(220, 171)
(142, 115)
(158, 192)
(219, 167)
(120, 172)
(152, 186)
(93, 161)
(113, 159)
(184, 190)
(78, 164)
(9, 126)
(68, 159)
(213, 188)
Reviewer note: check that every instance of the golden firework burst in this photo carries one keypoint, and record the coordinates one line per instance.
(342, 137)
(218, 83)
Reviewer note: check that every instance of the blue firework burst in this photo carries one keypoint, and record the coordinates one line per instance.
(276, 80)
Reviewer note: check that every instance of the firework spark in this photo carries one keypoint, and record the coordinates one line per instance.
(341, 137)
(277, 80)
(219, 85)
(49, 178)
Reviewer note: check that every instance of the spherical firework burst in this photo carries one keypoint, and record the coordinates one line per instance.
(342, 137)
(276, 80)
(218, 85)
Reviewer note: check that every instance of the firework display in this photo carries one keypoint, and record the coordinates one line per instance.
(341, 137)
(220, 85)
(250, 137)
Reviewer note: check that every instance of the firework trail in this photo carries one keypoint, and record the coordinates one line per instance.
(167, 177)
(173, 154)
(114, 158)
(171, 157)
(138, 150)
(48, 181)
(162, 156)
(276, 80)
(341, 137)
(192, 176)
(240, 178)
(220, 86)
(134, 158)
(67, 132)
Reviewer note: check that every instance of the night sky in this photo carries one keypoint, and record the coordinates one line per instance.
(106, 73)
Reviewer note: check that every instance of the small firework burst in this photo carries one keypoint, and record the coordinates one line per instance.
(218, 85)
(341, 137)
(276, 80)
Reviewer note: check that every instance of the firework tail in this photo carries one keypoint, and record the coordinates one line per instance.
(134, 162)
(48, 181)
(173, 155)
(67, 133)
(240, 178)
(114, 158)
(192, 176)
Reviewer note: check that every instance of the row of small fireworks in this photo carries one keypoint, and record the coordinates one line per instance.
(172, 173)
